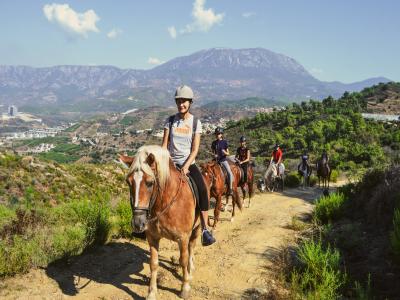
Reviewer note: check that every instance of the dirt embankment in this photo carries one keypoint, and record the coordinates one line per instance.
(238, 266)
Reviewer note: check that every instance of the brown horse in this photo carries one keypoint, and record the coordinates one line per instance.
(323, 173)
(249, 183)
(218, 188)
(163, 206)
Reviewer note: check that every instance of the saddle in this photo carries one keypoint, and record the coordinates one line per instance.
(195, 191)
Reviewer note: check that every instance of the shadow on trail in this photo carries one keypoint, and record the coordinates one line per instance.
(309, 194)
(117, 263)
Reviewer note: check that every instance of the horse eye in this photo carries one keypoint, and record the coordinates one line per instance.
(149, 184)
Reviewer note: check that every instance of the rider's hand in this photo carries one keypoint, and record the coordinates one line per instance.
(185, 170)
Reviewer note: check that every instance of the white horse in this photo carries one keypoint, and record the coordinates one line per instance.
(271, 177)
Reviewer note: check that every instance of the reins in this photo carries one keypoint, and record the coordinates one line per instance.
(165, 209)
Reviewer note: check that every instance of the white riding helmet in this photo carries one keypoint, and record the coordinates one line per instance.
(184, 92)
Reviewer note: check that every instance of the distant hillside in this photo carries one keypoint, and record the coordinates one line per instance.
(214, 74)
(336, 125)
(248, 103)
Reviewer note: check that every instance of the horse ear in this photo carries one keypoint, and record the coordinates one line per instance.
(151, 161)
(127, 160)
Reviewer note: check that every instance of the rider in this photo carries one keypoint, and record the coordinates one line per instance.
(303, 165)
(182, 138)
(325, 159)
(220, 150)
(243, 157)
(277, 157)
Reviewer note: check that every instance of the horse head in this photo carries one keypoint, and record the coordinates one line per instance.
(146, 178)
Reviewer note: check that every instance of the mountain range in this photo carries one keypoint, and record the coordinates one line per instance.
(214, 74)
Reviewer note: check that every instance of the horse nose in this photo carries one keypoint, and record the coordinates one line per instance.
(139, 222)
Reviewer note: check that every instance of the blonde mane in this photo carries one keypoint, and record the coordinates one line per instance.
(162, 158)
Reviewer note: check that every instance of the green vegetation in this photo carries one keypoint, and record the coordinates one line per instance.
(73, 128)
(319, 276)
(329, 208)
(352, 142)
(51, 211)
(253, 102)
(292, 179)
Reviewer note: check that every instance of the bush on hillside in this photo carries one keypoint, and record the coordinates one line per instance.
(334, 175)
(292, 179)
(329, 208)
(319, 276)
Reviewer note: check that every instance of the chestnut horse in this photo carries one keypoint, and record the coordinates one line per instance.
(215, 175)
(163, 206)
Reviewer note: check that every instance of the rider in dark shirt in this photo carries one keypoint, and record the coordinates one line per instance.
(243, 156)
(220, 150)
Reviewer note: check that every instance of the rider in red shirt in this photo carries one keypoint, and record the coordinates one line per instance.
(277, 157)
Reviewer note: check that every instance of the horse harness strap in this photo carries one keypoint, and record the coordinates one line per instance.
(153, 200)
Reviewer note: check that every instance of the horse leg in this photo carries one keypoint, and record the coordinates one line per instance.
(192, 244)
(184, 262)
(154, 244)
(233, 206)
(217, 209)
(242, 187)
(251, 191)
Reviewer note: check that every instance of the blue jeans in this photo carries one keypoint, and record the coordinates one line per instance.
(225, 164)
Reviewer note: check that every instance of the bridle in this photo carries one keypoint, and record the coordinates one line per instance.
(155, 193)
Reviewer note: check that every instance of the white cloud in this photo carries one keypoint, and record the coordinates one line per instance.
(172, 31)
(154, 61)
(70, 20)
(114, 33)
(203, 19)
(248, 14)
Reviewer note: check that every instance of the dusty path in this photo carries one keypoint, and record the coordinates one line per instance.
(236, 265)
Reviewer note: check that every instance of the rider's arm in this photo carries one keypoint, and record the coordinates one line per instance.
(194, 151)
(247, 157)
(165, 138)
(226, 152)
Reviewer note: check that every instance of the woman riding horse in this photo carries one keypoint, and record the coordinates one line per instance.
(182, 138)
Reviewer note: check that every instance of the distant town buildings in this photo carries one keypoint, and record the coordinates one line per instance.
(12, 111)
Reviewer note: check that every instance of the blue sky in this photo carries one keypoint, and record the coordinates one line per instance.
(344, 40)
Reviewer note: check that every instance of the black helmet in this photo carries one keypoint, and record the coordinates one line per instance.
(242, 139)
(276, 145)
(219, 130)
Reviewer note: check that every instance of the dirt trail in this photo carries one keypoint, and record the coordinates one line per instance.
(235, 266)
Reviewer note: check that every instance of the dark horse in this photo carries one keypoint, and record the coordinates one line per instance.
(163, 206)
(323, 173)
(218, 188)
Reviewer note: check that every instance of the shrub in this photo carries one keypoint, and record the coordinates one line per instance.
(313, 180)
(68, 241)
(320, 276)
(292, 179)
(94, 215)
(16, 255)
(6, 215)
(334, 175)
(123, 218)
(329, 208)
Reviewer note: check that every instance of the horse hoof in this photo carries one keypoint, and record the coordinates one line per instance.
(185, 294)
